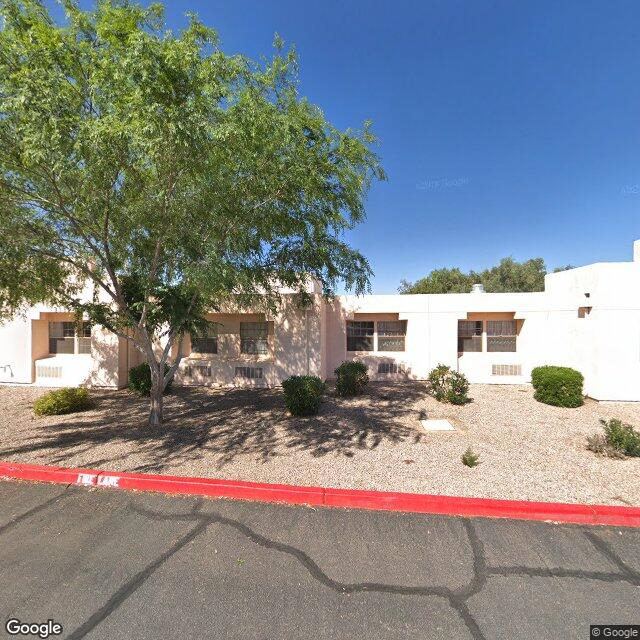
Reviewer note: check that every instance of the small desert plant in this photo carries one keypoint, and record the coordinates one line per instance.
(470, 459)
(61, 401)
(619, 440)
(446, 385)
(303, 394)
(140, 379)
(558, 386)
(351, 378)
(598, 444)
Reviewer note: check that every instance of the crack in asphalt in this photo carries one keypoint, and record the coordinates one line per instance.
(27, 514)
(132, 585)
(457, 598)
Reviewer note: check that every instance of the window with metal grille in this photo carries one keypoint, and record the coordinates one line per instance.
(501, 335)
(207, 343)
(62, 338)
(391, 335)
(469, 336)
(360, 335)
(385, 368)
(252, 373)
(254, 338)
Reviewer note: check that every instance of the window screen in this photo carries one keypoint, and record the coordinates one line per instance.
(253, 338)
(501, 335)
(360, 335)
(61, 337)
(391, 335)
(469, 335)
(207, 343)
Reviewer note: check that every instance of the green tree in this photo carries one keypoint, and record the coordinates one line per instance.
(167, 173)
(507, 276)
(440, 281)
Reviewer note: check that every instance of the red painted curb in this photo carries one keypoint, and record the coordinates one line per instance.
(319, 496)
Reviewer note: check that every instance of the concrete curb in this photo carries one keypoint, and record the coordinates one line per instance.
(320, 496)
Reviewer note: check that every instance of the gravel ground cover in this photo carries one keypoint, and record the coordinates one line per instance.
(528, 450)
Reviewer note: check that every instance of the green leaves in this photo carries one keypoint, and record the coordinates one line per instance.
(508, 276)
(130, 155)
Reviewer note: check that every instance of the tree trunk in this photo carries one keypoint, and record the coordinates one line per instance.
(155, 412)
(157, 389)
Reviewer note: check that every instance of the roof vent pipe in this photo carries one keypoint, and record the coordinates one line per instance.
(477, 288)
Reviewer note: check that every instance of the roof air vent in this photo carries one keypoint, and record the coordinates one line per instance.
(477, 288)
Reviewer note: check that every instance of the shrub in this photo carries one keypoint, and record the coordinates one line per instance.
(558, 386)
(303, 394)
(351, 378)
(140, 379)
(619, 440)
(446, 385)
(598, 444)
(470, 459)
(61, 401)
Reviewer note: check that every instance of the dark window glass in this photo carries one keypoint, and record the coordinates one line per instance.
(391, 334)
(254, 338)
(61, 337)
(359, 335)
(208, 343)
(469, 336)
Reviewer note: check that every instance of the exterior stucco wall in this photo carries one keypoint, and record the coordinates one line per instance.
(15, 351)
(587, 318)
(295, 347)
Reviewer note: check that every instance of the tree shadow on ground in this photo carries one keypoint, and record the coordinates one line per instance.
(208, 428)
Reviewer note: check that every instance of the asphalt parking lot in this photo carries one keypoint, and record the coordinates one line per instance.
(115, 564)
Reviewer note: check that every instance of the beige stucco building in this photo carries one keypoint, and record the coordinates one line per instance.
(587, 318)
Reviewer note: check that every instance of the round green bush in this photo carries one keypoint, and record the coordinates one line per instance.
(303, 394)
(61, 401)
(558, 386)
(447, 385)
(351, 378)
(140, 379)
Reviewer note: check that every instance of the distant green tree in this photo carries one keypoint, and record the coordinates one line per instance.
(507, 276)
(439, 281)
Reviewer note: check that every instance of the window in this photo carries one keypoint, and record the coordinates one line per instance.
(84, 338)
(469, 335)
(207, 343)
(253, 338)
(391, 334)
(360, 335)
(63, 338)
(251, 373)
(501, 335)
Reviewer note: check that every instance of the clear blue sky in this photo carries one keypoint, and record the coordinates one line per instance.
(506, 128)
